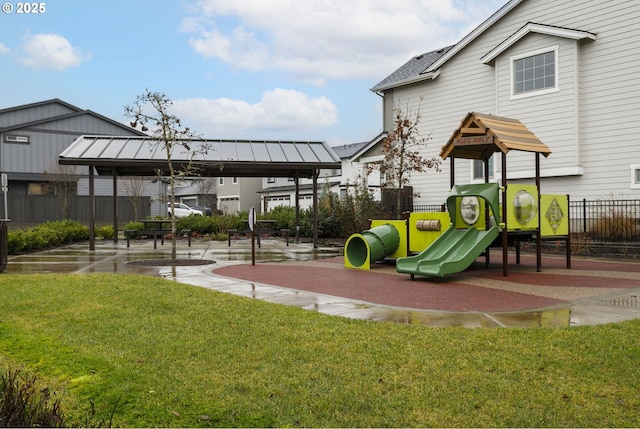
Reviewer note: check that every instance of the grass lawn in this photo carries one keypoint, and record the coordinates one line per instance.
(168, 354)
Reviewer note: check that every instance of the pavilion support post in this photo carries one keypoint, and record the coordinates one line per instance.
(538, 229)
(315, 208)
(296, 180)
(568, 246)
(92, 210)
(505, 233)
(115, 206)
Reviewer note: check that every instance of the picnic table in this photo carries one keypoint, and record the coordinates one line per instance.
(154, 228)
(261, 225)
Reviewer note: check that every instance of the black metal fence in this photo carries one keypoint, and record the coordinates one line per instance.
(606, 220)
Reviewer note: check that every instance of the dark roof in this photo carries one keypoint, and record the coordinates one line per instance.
(145, 156)
(411, 69)
(41, 103)
(350, 151)
(76, 111)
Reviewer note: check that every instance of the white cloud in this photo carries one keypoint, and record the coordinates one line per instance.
(320, 39)
(51, 51)
(279, 111)
(3, 49)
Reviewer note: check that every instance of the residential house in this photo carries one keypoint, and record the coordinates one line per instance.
(358, 165)
(564, 68)
(281, 191)
(236, 194)
(31, 138)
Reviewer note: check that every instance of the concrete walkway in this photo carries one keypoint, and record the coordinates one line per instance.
(592, 292)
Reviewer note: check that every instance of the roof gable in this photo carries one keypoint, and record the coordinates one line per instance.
(531, 27)
(356, 150)
(40, 104)
(70, 111)
(414, 71)
(479, 136)
(474, 34)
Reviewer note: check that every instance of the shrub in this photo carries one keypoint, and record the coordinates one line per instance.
(24, 403)
(105, 232)
(223, 223)
(285, 217)
(134, 226)
(16, 241)
(46, 235)
(199, 224)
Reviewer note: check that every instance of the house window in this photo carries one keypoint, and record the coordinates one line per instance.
(635, 176)
(478, 170)
(12, 138)
(235, 180)
(534, 73)
(271, 180)
(36, 189)
(220, 181)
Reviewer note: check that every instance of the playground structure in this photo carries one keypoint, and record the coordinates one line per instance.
(478, 216)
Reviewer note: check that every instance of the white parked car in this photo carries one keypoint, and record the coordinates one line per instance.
(183, 210)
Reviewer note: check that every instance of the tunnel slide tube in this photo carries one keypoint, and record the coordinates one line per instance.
(373, 245)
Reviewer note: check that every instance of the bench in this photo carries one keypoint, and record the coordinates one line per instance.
(284, 233)
(155, 233)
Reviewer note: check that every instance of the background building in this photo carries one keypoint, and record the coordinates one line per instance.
(565, 69)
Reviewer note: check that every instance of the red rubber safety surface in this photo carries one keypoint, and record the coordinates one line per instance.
(520, 290)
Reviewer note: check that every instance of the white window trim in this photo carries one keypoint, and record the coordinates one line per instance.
(634, 183)
(17, 138)
(493, 174)
(556, 88)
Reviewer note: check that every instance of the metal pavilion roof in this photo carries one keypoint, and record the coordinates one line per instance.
(145, 156)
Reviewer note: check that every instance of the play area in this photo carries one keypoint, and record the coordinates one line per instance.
(479, 216)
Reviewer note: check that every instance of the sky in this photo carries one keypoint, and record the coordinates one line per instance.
(235, 69)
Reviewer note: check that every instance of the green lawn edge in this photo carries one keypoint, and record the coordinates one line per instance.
(167, 354)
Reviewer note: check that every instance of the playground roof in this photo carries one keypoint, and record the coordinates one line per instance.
(479, 136)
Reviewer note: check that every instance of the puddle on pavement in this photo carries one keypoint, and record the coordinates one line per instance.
(39, 268)
(535, 319)
(110, 260)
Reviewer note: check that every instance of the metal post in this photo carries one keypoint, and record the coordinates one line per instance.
(92, 211)
(505, 234)
(115, 206)
(315, 209)
(538, 231)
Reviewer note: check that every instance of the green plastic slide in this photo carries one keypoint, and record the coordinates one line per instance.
(452, 252)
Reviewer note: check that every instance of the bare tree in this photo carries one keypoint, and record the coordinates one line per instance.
(63, 181)
(205, 186)
(152, 112)
(402, 154)
(135, 187)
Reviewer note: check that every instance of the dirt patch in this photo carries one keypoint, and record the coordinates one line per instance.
(170, 263)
